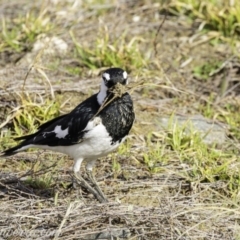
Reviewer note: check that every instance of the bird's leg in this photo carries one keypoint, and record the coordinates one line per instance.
(82, 182)
(89, 168)
(95, 185)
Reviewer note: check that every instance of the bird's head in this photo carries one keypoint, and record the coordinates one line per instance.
(110, 78)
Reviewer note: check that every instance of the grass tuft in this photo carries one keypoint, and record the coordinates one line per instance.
(108, 52)
(31, 112)
(214, 15)
(200, 163)
(20, 33)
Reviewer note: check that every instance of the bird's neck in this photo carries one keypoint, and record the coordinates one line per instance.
(101, 96)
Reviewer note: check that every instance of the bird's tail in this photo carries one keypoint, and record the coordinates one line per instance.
(11, 151)
(20, 147)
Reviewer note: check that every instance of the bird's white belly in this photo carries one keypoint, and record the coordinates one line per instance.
(91, 148)
(96, 143)
(94, 148)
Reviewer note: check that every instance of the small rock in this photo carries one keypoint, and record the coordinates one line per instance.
(212, 132)
(44, 47)
(51, 45)
(109, 234)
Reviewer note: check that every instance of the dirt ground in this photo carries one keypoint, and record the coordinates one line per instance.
(143, 204)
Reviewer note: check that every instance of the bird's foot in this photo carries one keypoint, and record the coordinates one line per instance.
(83, 183)
(95, 185)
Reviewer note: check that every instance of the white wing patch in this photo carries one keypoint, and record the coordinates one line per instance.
(60, 133)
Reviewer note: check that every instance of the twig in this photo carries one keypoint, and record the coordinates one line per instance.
(69, 210)
(156, 35)
(118, 91)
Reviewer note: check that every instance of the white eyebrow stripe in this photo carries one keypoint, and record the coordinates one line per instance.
(106, 76)
(125, 75)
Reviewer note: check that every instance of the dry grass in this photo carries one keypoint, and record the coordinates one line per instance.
(176, 215)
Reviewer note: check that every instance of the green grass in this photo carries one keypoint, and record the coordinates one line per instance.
(156, 154)
(201, 163)
(214, 15)
(31, 112)
(20, 33)
(43, 182)
(107, 52)
(205, 70)
(226, 113)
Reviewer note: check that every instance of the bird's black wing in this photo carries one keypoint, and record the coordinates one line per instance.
(42, 127)
(52, 132)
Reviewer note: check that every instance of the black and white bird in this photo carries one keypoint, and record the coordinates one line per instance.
(90, 131)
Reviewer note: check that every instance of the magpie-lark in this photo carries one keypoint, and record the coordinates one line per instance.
(96, 127)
